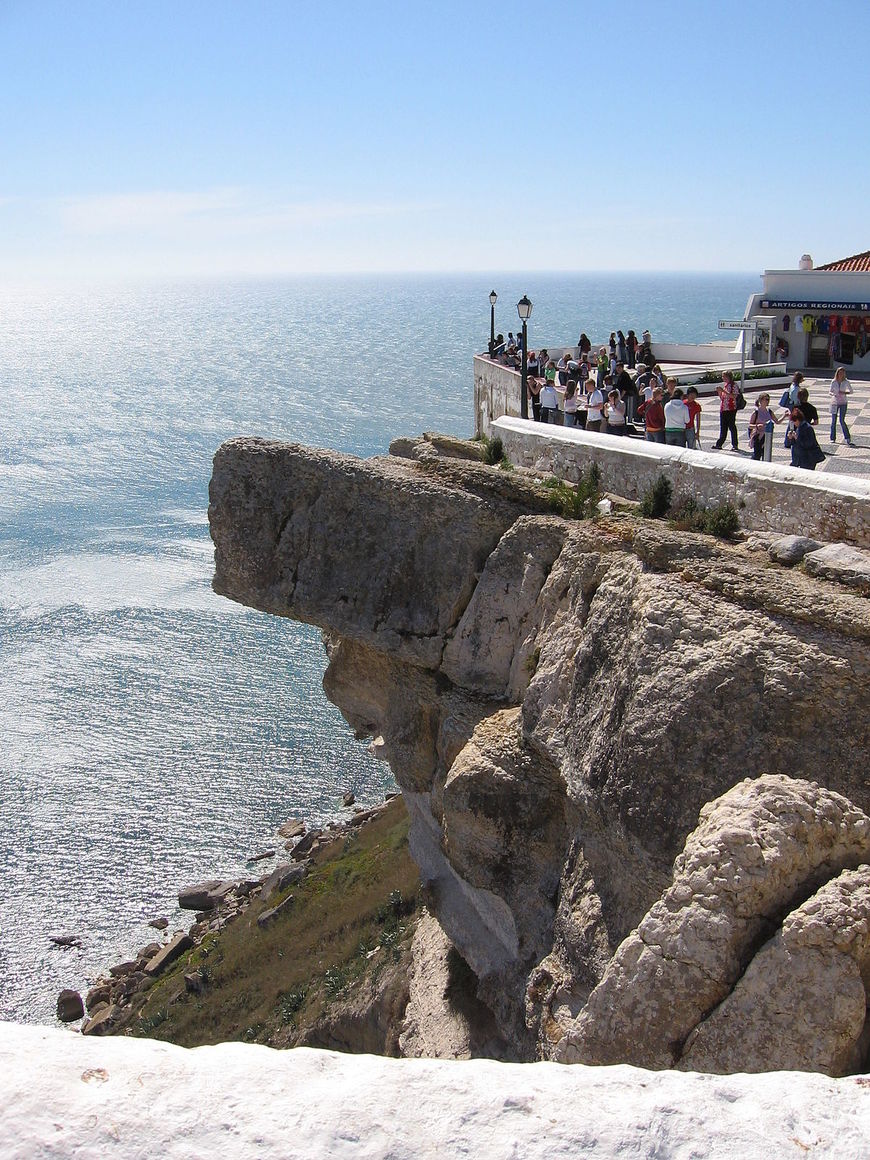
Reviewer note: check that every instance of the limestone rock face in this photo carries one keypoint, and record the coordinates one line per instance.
(559, 702)
(762, 845)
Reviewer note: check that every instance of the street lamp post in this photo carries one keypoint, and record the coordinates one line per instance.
(493, 298)
(524, 309)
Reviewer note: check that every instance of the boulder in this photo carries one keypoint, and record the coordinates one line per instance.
(159, 923)
(304, 845)
(759, 848)
(282, 877)
(69, 1006)
(843, 563)
(801, 1004)
(193, 983)
(261, 857)
(120, 969)
(98, 995)
(205, 895)
(102, 1022)
(789, 550)
(168, 954)
(294, 828)
(66, 941)
(268, 916)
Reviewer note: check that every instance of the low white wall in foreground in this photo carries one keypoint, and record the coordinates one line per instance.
(108, 1099)
(769, 497)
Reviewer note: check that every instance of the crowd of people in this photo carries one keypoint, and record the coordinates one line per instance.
(598, 392)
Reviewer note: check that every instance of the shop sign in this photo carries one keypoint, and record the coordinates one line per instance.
(791, 304)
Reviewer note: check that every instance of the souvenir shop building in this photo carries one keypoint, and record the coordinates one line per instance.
(816, 318)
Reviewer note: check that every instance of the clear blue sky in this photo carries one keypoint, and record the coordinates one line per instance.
(142, 137)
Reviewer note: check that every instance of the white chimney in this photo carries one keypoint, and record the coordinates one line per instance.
(806, 262)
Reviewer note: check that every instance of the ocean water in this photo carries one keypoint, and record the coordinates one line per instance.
(153, 734)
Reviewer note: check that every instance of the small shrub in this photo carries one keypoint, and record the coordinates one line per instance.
(531, 662)
(690, 516)
(575, 503)
(335, 980)
(150, 1022)
(291, 1003)
(494, 451)
(657, 499)
(722, 520)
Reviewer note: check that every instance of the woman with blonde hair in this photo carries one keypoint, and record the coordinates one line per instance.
(841, 389)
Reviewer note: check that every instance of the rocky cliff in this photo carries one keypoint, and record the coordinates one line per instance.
(561, 702)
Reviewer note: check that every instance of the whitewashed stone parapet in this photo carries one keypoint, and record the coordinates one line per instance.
(122, 1099)
(769, 497)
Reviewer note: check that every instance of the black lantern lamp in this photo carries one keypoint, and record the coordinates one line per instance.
(493, 298)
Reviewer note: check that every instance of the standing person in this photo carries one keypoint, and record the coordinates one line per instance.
(594, 406)
(727, 392)
(810, 413)
(562, 368)
(583, 372)
(534, 388)
(644, 382)
(631, 348)
(624, 383)
(549, 402)
(653, 414)
(612, 344)
(790, 394)
(841, 389)
(621, 350)
(603, 365)
(533, 366)
(676, 420)
(584, 345)
(761, 421)
(614, 413)
(805, 450)
(570, 405)
(693, 431)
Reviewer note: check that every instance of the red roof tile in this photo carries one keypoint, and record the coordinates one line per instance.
(857, 264)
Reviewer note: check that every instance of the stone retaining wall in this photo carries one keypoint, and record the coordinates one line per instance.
(769, 497)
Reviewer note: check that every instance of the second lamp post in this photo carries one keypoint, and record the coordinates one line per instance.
(524, 309)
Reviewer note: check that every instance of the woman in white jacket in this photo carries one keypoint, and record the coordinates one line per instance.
(841, 389)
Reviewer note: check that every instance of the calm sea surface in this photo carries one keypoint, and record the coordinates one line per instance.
(153, 734)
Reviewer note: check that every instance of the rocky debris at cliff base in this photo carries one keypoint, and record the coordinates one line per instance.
(237, 1100)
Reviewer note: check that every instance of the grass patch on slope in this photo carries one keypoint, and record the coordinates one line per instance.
(269, 985)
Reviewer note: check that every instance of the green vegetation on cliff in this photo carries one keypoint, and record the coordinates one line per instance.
(336, 954)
